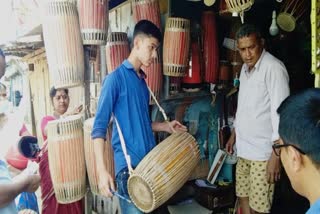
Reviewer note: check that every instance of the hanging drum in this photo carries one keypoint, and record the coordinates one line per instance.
(239, 7)
(90, 155)
(163, 171)
(63, 43)
(117, 50)
(191, 82)
(147, 9)
(291, 11)
(176, 47)
(93, 15)
(154, 77)
(210, 47)
(66, 158)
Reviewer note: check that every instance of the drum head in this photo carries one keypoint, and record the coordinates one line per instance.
(141, 193)
(286, 22)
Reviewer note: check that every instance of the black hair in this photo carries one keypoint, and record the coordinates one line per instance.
(53, 91)
(146, 27)
(246, 30)
(300, 122)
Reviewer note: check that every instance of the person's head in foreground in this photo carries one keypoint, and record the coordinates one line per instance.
(299, 147)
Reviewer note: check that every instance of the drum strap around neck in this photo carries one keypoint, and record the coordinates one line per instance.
(123, 144)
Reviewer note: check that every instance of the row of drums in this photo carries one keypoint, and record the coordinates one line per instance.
(68, 26)
(158, 176)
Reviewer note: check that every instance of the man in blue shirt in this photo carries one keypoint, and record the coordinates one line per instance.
(299, 147)
(125, 95)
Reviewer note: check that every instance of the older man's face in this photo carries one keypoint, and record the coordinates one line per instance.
(2, 66)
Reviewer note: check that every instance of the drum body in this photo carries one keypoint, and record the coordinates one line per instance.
(163, 171)
(93, 21)
(154, 77)
(66, 159)
(117, 50)
(176, 47)
(147, 9)
(63, 43)
(210, 48)
(193, 78)
(90, 155)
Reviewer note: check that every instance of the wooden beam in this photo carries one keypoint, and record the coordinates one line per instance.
(30, 39)
(34, 54)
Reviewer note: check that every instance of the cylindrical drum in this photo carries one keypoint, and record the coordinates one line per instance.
(147, 9)
(63, 43)
(66, 158)
(191, 82)
(154, 77)
(163, 171)
(93, 16)
(210, 47)
(90, 155)
(176, 47)
(117, 50)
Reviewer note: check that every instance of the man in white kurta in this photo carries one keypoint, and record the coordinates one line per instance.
(263, 86)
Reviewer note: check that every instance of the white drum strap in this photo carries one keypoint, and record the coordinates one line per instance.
(161, 109)
(123, 145)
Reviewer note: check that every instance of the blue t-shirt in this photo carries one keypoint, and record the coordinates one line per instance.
(315, 208)
(125, 95)
(5, 179)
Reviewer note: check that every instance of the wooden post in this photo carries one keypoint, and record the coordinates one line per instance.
(88, 197)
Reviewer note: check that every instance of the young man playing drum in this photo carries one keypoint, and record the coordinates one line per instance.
(125, 95)
(263, 86)
(299, 146)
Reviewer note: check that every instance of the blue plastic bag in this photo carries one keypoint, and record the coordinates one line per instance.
(28, 201)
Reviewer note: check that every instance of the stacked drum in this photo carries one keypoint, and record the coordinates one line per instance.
(147, 9)
(210, 48)
(63, 43)
(154, 77)
(176, 47)
(93, 21)
(150, 10)
(117, 50)
(90, 156)
(191, 82)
